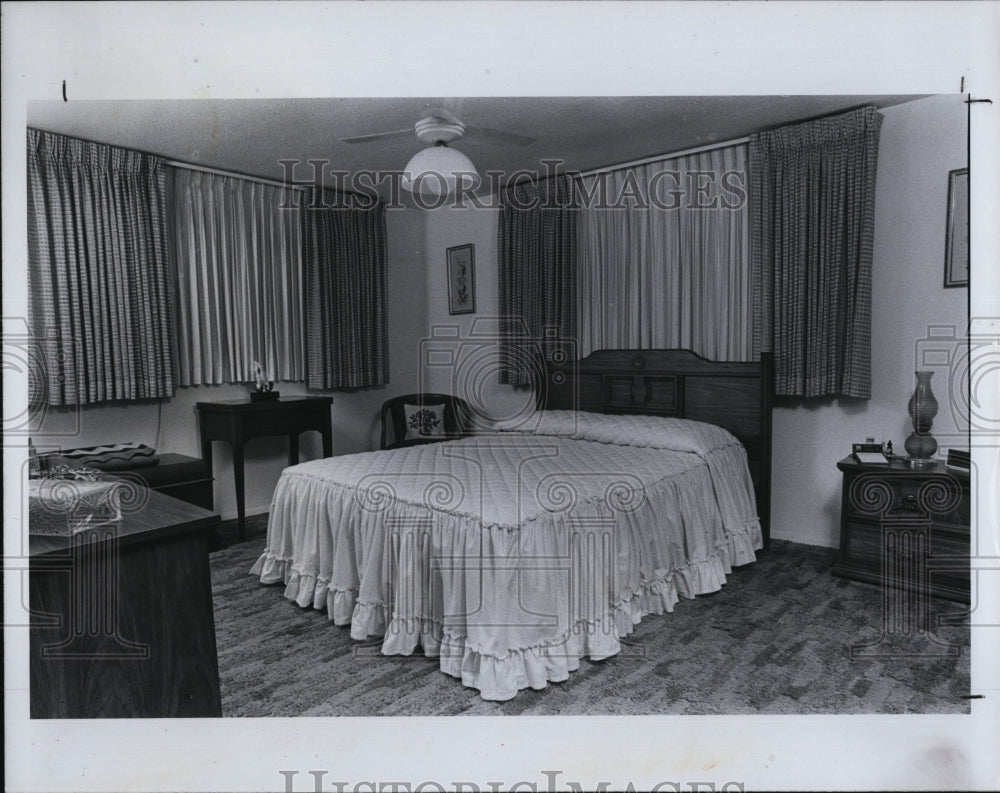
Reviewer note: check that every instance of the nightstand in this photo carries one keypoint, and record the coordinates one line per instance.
(905, 527)
(238, 420)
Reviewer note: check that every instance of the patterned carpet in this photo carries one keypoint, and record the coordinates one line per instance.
(776, 639)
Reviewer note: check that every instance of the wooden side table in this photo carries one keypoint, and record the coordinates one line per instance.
(905, 527)
(238, 420)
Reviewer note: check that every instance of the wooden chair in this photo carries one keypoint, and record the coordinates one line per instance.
(456, 419)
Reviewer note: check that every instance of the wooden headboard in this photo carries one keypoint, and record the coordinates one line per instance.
(736, 396)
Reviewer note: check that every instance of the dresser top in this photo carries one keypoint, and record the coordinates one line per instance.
(901, 465)
(158, 516)
(290, 402)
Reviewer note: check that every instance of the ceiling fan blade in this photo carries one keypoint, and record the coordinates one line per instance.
(442, 112)
(499, 137)
(399, 133)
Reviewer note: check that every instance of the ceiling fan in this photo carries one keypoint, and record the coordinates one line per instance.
(437, 124)
(439, 170)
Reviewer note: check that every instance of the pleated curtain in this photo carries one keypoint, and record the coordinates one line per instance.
(237, 248)
(664, 257)
(345, 265)
(813, 211)
(98, 272)
(536, 248)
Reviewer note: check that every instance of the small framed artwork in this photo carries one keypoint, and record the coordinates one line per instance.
(956, 250)
(462, 279)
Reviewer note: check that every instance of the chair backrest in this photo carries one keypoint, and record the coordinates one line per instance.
(457, 417)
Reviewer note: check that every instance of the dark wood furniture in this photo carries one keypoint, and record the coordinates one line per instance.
(238, 420)
(178, 476)
(680, 383)
(905, 527)
(121, 617)
(456, 419)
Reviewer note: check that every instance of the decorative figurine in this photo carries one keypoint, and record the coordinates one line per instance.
(263, 388)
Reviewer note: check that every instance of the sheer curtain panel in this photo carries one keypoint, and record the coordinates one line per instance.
(345, 262)
(98, 274)
(237, 248)
(665, 256)
(536, 248)
(813, 204)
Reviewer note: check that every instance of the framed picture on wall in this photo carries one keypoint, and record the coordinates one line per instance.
(462, 279)
(956, 250)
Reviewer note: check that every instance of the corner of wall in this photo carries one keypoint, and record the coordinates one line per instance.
(465, 362)
(920, 142)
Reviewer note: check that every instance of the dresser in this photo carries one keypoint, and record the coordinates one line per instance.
(122, 623)
(238, 420)
(905, 527)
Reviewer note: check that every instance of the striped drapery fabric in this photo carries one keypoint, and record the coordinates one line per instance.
(346, 287)
(98, 271)
(812, 191)
(536, 249)
(664, 256)
(237, 252)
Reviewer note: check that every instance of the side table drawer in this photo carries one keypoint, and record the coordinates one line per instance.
(868, 543)
(943, 497)
(863, 545)
(276, 423)
(948, 560)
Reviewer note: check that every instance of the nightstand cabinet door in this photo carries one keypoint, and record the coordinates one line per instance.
(907, 527)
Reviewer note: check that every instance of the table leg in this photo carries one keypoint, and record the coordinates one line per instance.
(215, 541)
(206, 445)
(293, 449)
(238, 477)
(327, 433)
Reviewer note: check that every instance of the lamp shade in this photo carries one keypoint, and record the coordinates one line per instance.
(438, 170)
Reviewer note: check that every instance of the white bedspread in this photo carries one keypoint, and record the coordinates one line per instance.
(514, 555)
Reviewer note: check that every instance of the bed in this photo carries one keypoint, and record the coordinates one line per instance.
(516, 552)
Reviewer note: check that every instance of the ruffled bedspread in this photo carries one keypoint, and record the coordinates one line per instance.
(510, 556)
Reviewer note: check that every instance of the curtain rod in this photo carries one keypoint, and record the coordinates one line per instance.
(669, 156)
(176, 163)
(235, 174)
(263, 180)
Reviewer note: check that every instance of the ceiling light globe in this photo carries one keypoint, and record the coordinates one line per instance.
(439, 170)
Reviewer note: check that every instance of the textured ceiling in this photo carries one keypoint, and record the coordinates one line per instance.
(251, 136)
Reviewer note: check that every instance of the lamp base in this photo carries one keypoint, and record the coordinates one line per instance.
(921, 446)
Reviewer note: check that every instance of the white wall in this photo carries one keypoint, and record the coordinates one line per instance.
(920, 142)
(471, 372)
(171, 425)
